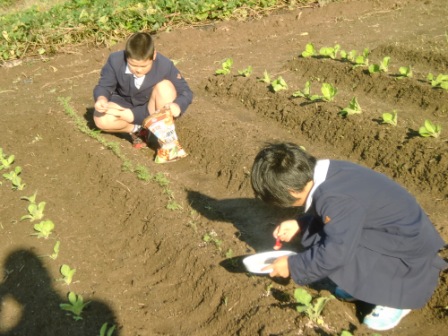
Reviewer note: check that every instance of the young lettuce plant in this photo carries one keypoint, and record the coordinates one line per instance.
(245, 72)
(67, 274)
(279, 84)
(44, 229)
(430, 130)
(390, 118)
(5, 161)
(362, 60)
(405, 72)
(266, 78)
(306, 305)
(226, 66)
(352, 108)
(440, 81)
(382, 67)
(35, 211)
(15, 179)
(305, 93)
(309, 51)
(106, 331)
(349, 56)
(75, 306)
(331, 52)
(55, 253)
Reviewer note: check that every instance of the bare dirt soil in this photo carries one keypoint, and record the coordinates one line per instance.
(150, 270)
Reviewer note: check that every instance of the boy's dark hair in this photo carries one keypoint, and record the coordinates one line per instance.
(280, 168)
(140, 46)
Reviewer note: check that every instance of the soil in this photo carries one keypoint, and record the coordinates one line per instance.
(150, 270)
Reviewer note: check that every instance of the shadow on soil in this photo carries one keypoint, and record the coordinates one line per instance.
(26, 295)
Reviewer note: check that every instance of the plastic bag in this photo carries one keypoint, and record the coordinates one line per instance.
(161, 124)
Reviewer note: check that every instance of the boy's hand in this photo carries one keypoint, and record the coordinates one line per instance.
(102, 104)
(286, 230)
(279, 268)
(174, 108)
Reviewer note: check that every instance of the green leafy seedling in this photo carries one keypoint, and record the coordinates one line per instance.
(305, 93)
(266, 77)
(328, 91)
(306, 305)
(55, 253)
(309, 51)
(382, 67)
(44, 229)
(245, 72)
(5, 161)
(75, 306)
(350, 56)
(362, 60)
(430, 129)
(331, 52)
(15, 179)
(279, 84)
(226, 67)
(67, 273)
(390, 118)
(35, 210)
(173, 205)
(106, 331)
(352, 108)
(404, 72)
(440, 81)
(212, 237)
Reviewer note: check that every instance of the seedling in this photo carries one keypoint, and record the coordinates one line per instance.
(279, 84)
(309, 51)
(405, 72)
(328, 92)
(350, 56)
(35, 211)
(226, 66)
(173, 205)
(105, 331)
(382, 67)
(266, 77)
(15, 179)
(5, 161)
(212, 237)
(67, 274)
(305, 304)
(430, 130)
(352, 108)
(362, 60)
(331, 52)
(44, 229)
(305, 93)
(440, 81)
(245, 72)
(55, 253)
(390, 118)
(76, 305)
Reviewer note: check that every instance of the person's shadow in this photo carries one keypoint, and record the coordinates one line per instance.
(30, 306)
(255, 222)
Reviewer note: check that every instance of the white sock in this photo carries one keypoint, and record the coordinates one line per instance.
(136, 128)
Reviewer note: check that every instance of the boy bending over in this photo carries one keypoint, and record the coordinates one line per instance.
(361, 230)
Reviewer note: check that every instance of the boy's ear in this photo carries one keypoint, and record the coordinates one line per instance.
(155, 55)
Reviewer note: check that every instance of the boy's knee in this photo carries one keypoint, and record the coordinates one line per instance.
(164, 87)
(98, 119)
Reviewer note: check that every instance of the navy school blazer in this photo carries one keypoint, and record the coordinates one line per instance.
(370, 237)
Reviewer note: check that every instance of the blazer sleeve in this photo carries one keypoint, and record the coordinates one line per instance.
(343, 219)
(184, 93)
(108, 80)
